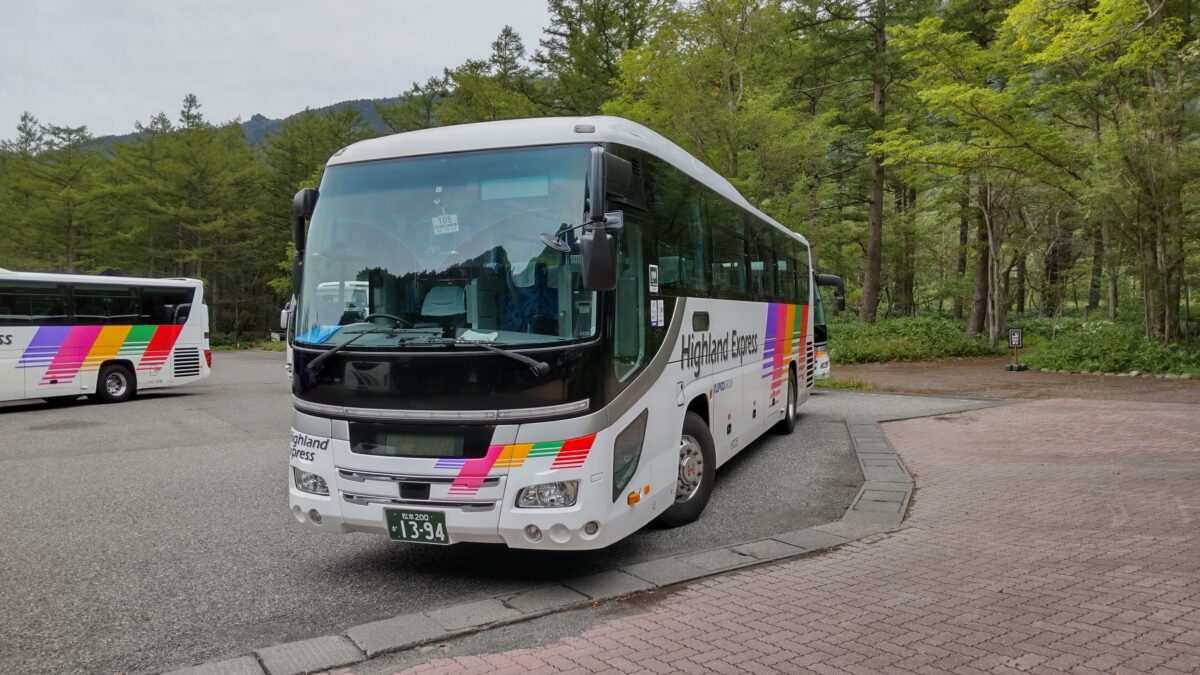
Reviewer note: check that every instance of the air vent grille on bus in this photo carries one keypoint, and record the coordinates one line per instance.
(809, 363)
(187, 362)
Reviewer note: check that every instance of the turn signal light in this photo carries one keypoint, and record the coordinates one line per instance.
(208, 357)
(633, 498)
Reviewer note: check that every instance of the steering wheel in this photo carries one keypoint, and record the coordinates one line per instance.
(393, 317)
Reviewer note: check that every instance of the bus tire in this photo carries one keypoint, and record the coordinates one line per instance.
(116, 384)
(787, 425)
(697, 455)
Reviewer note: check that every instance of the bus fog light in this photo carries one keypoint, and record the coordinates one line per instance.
(310, 482)
(548, 495)
(315, 516)
(591, 527)
(533, 532)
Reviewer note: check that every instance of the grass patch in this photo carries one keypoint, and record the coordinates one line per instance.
(848, 383)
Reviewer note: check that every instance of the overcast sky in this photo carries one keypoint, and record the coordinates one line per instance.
(107, 63)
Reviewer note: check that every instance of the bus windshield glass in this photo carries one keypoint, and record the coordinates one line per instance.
(448, 243)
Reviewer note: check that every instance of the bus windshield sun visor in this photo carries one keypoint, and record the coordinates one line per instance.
(314, 366)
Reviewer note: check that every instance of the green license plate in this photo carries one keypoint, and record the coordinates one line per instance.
(426, 527)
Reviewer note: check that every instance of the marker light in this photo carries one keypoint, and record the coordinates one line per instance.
(548, 495)
(310, 482)
(633, 498)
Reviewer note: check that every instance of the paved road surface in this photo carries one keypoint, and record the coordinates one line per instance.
(1075, 550)
(155, 533)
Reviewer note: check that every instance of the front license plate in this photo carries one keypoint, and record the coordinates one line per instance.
(426, 527)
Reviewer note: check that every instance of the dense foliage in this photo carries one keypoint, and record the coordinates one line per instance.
(965, 158)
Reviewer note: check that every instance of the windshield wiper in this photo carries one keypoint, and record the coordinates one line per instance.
(538, 367)
(315, 364)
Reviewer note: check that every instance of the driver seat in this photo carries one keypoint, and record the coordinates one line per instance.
(444, 305)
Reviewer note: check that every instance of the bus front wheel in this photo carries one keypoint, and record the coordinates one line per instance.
(116, 384)
(697, 468)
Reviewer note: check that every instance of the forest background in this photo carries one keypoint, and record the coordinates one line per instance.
(965, 165)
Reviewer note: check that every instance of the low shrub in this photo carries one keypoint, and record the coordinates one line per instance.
(1109, 347)
(903, 339)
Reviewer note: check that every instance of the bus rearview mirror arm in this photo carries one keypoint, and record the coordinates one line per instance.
(303, 205)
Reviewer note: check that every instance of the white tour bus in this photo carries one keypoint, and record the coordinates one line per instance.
(570, 324)
(67, 335)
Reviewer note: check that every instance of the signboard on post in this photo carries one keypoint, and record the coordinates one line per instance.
(1015, 342)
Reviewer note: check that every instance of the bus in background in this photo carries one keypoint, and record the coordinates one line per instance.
(570, 324)
(67, 335)
(821, 324)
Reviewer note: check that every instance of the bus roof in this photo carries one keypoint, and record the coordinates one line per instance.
(8, 275)
(545, 131)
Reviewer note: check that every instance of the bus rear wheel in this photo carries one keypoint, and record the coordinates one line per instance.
(116, 384)
(697, 471)
(788, 424)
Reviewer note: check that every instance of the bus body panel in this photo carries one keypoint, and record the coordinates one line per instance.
(741, 375)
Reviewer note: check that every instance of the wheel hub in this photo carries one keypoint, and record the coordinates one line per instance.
(691, 469)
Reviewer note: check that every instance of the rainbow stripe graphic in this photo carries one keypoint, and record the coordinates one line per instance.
(787, 326)
(569, 454)
(65, 351)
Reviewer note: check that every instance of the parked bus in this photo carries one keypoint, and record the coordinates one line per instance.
(67, 335)
(570, 324)
(821, 324)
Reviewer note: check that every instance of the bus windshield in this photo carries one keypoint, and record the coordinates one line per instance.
(449, 243)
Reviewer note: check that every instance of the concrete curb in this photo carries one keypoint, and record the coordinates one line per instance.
(879, 507)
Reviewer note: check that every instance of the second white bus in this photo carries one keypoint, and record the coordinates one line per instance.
(63, 336)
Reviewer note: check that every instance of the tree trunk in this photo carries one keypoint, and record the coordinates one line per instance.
(1112, 258)
(975, 323)
(1021, 272)
(964, 238)
(873, 271)
(1093, 301)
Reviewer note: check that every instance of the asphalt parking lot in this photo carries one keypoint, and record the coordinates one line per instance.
(156, 534)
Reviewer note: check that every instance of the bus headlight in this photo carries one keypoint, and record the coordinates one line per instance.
(310, 482)
(548, 495)
(627, 451)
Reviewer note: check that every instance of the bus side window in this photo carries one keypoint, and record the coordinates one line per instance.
(629, 339)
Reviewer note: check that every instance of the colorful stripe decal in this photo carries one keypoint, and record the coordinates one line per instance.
(160, 347)
(787, 328)
(569, 454)
(70, 356)
(65, 351)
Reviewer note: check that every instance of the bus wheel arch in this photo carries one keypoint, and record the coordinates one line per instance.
(117, 382)
(697, 471)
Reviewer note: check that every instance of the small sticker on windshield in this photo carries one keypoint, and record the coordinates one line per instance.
(446, 223)
(653, 278)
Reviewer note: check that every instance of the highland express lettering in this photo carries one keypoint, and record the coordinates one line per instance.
(699, 350)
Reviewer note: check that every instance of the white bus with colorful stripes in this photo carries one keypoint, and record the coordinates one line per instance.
(63, 336)
(541, 333)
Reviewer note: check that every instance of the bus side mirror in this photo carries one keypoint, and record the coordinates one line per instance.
(303, 205)
(599, 253)
(839, 288)
(283, 319)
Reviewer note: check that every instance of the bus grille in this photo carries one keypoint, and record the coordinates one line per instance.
(809, 364)
(187, 362)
